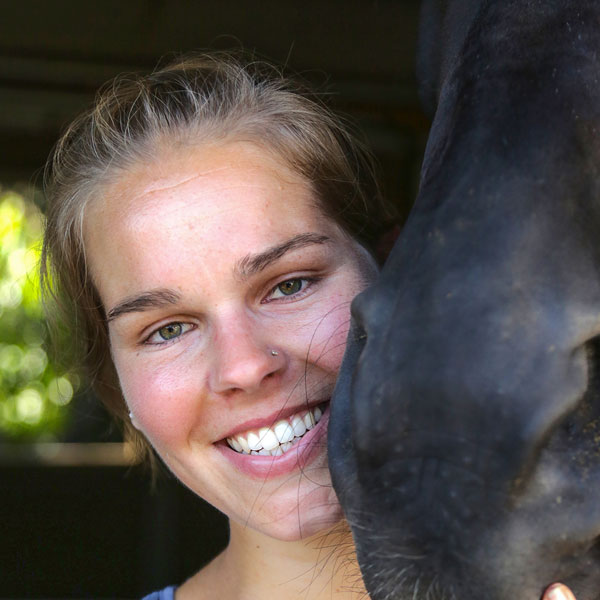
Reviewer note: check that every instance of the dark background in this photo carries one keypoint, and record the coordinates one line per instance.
(95, 529)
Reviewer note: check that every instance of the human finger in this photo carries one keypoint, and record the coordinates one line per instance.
(558, 591)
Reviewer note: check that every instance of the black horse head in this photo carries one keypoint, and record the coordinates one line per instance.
(465, 432)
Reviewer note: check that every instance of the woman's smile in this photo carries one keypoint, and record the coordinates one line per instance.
(274, 440)
(305, 434)
(227, 293)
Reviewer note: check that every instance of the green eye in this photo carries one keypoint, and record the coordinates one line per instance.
(170, 331)
(291, 290)
(290, 287)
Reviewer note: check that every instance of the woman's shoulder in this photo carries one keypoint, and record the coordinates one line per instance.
(167, 594)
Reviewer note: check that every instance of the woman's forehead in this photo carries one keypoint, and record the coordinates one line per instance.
(190, 173)
(225, 202)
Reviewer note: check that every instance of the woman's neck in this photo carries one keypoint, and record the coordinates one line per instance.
(255, 566)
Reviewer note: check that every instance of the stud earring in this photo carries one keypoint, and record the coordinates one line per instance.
(132, 419)
(274, 353)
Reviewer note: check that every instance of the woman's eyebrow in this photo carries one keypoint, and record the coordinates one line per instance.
(254, 263)
(246, 267)
(146, 301)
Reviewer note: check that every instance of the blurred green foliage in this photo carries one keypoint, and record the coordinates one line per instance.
(34, 398)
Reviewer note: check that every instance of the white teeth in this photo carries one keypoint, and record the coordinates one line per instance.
(254, 441)
(241, 440)
(268, 438)
(309, 420)
(278, 439)
(284, 432)
(298, 426)
(236, 445)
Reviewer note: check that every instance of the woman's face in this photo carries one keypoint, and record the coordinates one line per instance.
(227, 293)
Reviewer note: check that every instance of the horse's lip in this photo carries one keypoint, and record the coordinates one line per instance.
(269, 421)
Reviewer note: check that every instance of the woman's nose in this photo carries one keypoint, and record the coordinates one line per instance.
(243, 360)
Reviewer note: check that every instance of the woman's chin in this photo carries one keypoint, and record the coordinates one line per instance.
(308, 519)
(322, 528)
(312, 529)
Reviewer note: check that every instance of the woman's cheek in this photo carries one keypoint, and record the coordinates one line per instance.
(162, 401)
(328, 340)
(327, 349)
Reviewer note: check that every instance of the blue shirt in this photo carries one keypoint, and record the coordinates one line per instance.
(167, 594)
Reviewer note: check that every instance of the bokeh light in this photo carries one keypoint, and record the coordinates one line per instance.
(34, 398)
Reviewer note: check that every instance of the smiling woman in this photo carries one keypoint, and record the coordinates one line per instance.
(208, 226)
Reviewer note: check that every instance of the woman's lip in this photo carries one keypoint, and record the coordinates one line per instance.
(282, 413)
(300, 455)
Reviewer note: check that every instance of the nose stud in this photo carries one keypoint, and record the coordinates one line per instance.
(274, 353)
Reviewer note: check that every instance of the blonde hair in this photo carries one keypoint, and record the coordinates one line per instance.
(195, 99)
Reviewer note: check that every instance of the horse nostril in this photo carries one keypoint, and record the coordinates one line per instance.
(580, 430)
